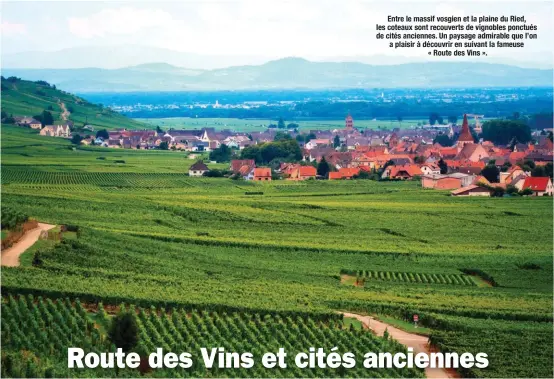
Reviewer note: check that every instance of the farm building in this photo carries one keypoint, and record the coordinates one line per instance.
(445, 182)
(29, 122)
(198, 169)
(471, 190)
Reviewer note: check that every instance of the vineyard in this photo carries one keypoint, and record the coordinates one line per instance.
(150, 236)
(49, 327)
(411, 277)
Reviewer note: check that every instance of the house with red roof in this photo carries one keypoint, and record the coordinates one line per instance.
(402, 172)
(344, 173)
(472, 152)
(262, 174)
(541, 186)
(303, 173)
(236, 164)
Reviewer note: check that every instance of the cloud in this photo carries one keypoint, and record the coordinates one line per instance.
(12, 29)
(117, 21)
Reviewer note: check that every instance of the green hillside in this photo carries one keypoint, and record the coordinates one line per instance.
(27, 98)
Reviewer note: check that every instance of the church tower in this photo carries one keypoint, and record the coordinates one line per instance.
(349, 123)
(465, 135)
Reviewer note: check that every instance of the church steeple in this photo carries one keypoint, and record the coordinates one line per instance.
(465, 135)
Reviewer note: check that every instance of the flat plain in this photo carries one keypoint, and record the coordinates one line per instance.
(259, 125)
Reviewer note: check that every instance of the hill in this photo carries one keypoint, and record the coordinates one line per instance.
(28, 98)
(290, 73)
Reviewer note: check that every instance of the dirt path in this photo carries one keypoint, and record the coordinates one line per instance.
(420, 344)
(65, 113)
(10, 256)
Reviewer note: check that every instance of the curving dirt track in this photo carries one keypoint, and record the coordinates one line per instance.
(419, 343)
(10, 256)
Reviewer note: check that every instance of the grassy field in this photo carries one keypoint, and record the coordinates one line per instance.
(151, 236)
(259, 125)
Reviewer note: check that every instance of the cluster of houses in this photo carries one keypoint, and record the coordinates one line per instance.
(192, 140)
(60, 130)
(409, 154)
(398, 154)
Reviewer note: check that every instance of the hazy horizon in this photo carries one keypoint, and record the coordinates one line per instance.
(208, 35)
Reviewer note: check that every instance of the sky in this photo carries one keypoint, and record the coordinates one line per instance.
(251, 29)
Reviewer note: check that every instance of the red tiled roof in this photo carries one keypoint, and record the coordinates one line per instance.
(335, 175)
(236, 164)
(412, 170)
(536, 183)
(244, 170)
(349, 172)
(262, 172)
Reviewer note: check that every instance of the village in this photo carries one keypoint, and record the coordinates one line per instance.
(397, 154)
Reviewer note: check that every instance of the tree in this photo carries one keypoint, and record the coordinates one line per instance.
(45, 118)
(323, 168)
(292, 125)
(399, 118)
(548, 170)
(222, 154)
(252, 152)
(491, 173)
(164, 145)
(501, 132)
(453, 119)
(4, 114)
(159, 130)
(76, 139)
(443, 166)
(511, 190)
(336, 141)
(281, 123)
(526, 192)
(443, 140)
(9, 120)
(123, 331)
(433, 118)
(543, 171)
(506, 166)
(279, 136)
(526, 165)
(103, 134)
(214, 173)
(497, 191)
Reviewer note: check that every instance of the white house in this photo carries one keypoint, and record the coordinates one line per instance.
(198, 169)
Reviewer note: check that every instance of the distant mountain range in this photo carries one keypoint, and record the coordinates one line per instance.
(288, 73)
